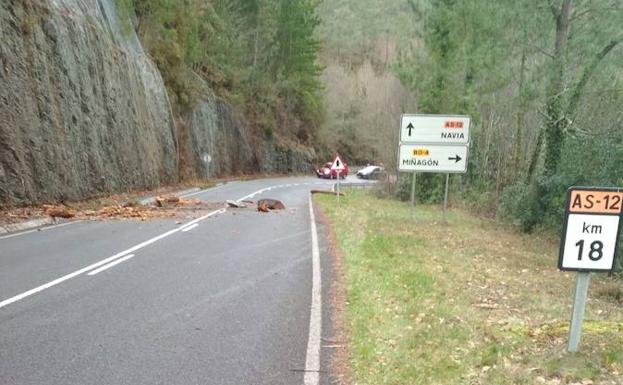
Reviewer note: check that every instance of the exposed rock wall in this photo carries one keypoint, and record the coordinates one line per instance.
(82, 109)
(217, 142)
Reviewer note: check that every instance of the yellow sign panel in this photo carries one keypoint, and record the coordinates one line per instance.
(420, 152)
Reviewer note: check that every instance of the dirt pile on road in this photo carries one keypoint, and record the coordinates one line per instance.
(163, 206)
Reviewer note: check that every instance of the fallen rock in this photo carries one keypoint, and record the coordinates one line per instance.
(158, 201)
(236, 204)
(173, 199)
(58, 211)
(264, 205)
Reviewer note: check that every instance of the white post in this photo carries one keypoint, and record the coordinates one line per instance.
(338, 186)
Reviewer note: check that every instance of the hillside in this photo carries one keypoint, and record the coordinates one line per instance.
(102, 96)
(363, 97)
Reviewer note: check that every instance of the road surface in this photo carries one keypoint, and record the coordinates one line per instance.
(223, 299)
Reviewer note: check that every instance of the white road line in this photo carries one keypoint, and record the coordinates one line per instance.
(312, 360)
(44, 228)
(205, 190)
(113, 263)
(253, 194)
(188, 228)
(104, 261)
(55, 282)
(124, 253)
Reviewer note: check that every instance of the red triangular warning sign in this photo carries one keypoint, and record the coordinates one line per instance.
(337, 165)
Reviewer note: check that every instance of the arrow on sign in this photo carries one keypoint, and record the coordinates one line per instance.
(455, 158)
(410, 127)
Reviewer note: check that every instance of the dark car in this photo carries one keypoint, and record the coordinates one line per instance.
(370, 172)
(327, 173)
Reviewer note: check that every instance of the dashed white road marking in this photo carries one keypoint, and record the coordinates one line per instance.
(55, 282)
(124, 255)
(104, 261)
(113, 263)
(312, 359)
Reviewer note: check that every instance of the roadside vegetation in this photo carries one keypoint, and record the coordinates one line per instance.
(259, 55)
(469, 301)
(541, 80)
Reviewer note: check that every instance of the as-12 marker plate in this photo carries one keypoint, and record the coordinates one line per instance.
(591, 229)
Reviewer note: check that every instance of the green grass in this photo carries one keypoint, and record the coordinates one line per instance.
(463, 302)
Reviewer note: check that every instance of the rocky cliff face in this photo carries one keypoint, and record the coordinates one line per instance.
(84, 111)
(218, 142)
(82, 108)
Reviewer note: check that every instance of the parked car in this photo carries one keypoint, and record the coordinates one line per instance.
(370, 172)
(327, 173)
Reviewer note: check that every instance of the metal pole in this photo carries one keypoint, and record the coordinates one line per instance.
(338, 186)
(413, 190)
(579, 303)
(445, 199)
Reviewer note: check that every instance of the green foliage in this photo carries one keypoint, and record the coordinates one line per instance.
(258, 54)
(544, 99)
(429, 188)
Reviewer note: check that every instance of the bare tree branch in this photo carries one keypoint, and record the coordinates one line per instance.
(588, 72)
(578, 14)
(541, 50)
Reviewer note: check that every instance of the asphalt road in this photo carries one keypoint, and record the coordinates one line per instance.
(224, 302)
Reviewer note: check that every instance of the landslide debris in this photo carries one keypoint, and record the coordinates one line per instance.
(265, 205)
(163, 206)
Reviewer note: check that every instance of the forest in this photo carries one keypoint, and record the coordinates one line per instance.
(541, 80)
(259, 55)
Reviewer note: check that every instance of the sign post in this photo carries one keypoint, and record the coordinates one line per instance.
(413, 190)
(589, 241)
(337, 166)
(445, 198)
(577, 315)
(433, 143)
(207, 159)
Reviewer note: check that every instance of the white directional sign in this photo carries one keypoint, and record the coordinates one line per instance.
(591, 229)
(442, 129)
(337, 164)
(433, 158)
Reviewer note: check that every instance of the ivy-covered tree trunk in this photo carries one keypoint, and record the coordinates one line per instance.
(556, 121)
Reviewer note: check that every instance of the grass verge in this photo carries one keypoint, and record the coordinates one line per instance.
(469, 301)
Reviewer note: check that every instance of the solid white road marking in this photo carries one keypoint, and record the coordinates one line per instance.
(104, 261)
(312, 360)
(205, 190)
(113, 263)
(44, 228)
(188, 228)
